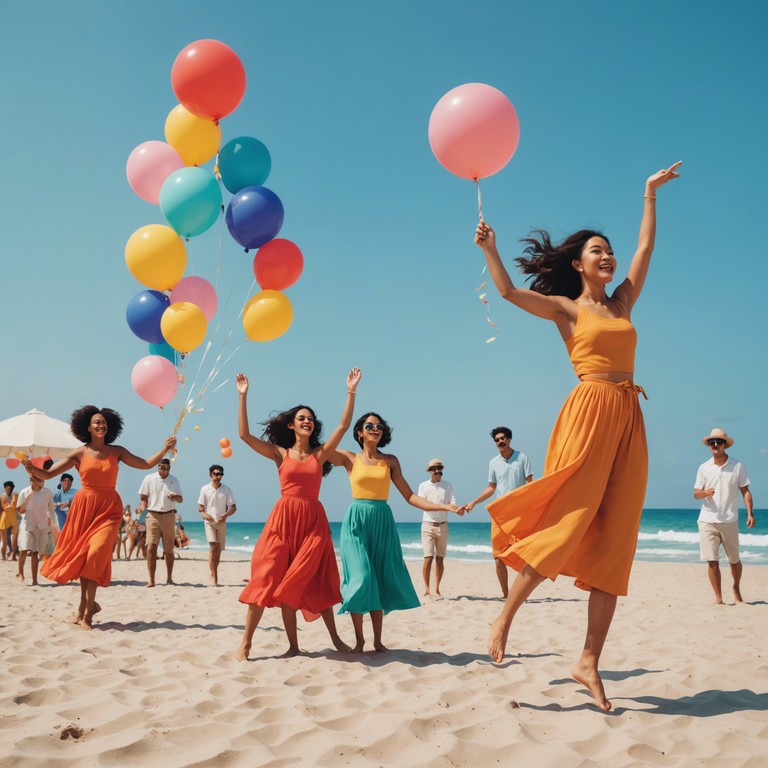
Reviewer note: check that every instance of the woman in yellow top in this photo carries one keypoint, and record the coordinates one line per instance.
(9, 519)
(375, 579)
(581, 518)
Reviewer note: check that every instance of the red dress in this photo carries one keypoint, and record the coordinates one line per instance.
(293, 562)
(85, 546)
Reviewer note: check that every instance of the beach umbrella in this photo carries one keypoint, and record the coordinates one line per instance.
(36, 434)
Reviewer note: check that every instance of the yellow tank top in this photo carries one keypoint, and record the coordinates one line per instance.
(602, 344)
(369, 481)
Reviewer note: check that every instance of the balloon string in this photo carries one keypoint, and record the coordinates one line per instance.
(479, 199)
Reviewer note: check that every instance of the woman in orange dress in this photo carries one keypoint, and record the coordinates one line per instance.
(581, 518)
(84, 549)
(294, 564)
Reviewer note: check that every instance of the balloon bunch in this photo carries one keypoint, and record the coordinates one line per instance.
(19, 456)
(173, 313)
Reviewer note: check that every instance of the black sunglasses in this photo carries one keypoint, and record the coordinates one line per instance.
(500, 439)
(436, 469)
(715, 441)
(369, 426)
(217, 474)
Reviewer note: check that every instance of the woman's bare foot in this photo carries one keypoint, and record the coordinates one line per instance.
(590, 678)
(340, 645)
(379, 647)
(497, 640)
(86, 624)
(359, 645)
(293, 650)
(241, 654)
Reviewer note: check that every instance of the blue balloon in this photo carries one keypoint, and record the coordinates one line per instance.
(164, 350)
(254, 216)
(244, 162)
(190, 200)
(143, 315)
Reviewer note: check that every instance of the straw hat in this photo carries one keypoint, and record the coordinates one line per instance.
(718, 434)
(434, 463)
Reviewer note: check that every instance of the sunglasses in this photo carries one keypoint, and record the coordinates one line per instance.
(217, 474)
(499, 439)
(715, 441)
(436, 469)
(369, 426)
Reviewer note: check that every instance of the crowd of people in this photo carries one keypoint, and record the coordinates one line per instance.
(580, 518)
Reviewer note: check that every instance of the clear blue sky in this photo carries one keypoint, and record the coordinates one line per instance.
(341, 93)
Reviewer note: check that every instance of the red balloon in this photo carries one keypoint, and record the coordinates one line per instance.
(12, 463)
(38, 461)
(278, 264)
(208, 78)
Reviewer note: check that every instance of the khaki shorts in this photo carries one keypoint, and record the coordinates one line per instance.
(216, 533)
(434, 539)
(35, 540)
(712, 535)
(160, 525)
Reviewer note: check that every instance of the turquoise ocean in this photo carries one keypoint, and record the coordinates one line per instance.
(666, 535)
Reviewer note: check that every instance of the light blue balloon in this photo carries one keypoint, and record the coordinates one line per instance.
(190, 200)
(244, 162)
(164, 350)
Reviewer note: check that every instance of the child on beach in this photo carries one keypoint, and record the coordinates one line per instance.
(294, 564)
(376, 580)
(582, 517)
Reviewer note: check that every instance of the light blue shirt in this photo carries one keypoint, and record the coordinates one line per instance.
(63, 497)
(510, 473)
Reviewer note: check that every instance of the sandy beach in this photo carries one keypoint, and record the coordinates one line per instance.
(155, 683)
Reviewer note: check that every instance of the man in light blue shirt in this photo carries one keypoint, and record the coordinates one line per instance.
(62, 498)
(507, 471)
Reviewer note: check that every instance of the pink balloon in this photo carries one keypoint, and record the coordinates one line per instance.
(148, 166)
(474, 130)
(12, 463)
(197, 291)
(154, 379)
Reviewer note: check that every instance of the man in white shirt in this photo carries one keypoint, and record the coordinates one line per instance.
(216, 504)
(36, 519)
(507, 471)
(434, 525)
(160, 492)
(718, 483)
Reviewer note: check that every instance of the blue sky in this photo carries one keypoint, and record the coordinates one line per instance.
(341, 94)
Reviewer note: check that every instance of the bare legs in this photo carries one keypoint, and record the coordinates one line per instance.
(152, 565)
(330, 625)
(252, 619)
(501, 575)
(34, 560)
(599, 616)
(426, 570)
(214, 555)
(377, 622)
(14, 538)
(713, 570)
(88, 606)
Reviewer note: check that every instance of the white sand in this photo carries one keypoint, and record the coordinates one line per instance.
(154, 683)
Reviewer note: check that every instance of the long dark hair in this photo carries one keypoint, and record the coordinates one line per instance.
(552, 265)
(81, 420)
(277, 431)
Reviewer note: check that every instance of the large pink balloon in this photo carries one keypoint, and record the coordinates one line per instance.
(199, 291)
(148, 166)
(474, 130)
(154, 379)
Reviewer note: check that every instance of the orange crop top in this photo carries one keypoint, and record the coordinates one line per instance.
(601, 344)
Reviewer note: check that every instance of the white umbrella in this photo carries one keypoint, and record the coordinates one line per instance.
(36, 434)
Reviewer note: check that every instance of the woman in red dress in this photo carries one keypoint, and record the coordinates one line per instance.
(294, 564)
(84, 548)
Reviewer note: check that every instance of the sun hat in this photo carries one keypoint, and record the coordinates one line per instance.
(718, 434)
(434, 463)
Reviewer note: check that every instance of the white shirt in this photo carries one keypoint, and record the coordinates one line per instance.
(727, 480)
(156, 489)
(40, 510)
(216, 501)
(437, 493)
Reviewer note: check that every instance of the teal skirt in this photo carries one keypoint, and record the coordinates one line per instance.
(375, 576)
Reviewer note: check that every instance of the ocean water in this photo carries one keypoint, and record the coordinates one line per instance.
(666, 535)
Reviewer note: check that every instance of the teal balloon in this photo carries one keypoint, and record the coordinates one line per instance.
(244, 162)
(190, 200)
(165, 350)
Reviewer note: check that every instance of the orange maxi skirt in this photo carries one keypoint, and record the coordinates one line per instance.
(85, 546)
(582, 517)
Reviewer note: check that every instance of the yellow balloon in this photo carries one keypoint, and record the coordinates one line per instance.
(267, 315)
(197, 140)
(184, 326)
(156, 256)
